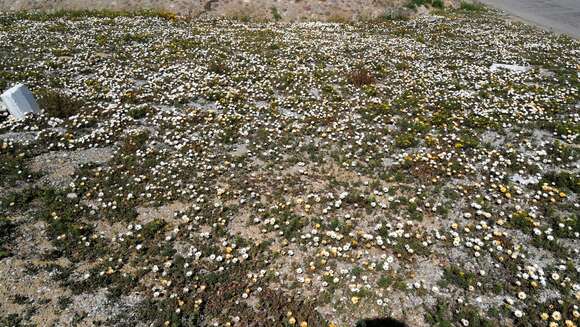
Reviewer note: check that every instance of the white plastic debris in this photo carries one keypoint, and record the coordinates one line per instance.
(513, 68)
(20, 101)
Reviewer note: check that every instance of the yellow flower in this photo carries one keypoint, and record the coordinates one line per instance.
(354, 300)
(292, 320)
(562, 194)
(544, 316)
(304, 324)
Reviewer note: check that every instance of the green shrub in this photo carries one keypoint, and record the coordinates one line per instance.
(563, 180)
(139, 112)
(151, 228)
(457, 276)
(521, 220)
(384, 281)
(275, 14)
(413, 4)
(472, 6)
(406, 140)
(437, 4)
(137, 38)
(394, 15)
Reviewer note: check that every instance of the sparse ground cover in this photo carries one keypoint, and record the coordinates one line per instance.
(286, 10)
(276, 174)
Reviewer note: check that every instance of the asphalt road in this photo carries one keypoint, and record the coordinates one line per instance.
(560, 16)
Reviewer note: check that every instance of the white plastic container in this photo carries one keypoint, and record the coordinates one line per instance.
(20, 101)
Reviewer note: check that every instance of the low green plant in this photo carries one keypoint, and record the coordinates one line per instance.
(139, 112)
(406, 140)
(562, 180)
(57, 104)
(457, 276)
(522, 221)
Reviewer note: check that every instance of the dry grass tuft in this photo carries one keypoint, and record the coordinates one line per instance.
(361, 77)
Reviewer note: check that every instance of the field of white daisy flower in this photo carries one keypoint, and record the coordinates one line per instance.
(217, 172)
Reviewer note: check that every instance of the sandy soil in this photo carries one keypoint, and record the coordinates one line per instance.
(265, 9)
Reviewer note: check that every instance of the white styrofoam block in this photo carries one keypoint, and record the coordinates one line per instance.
(20, 101)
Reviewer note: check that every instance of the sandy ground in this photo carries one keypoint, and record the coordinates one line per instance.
(562, 16)
(261, 9)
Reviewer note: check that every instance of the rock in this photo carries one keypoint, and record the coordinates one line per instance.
(547, 73)
(20, 101)
(525, 180)
(513, 68)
